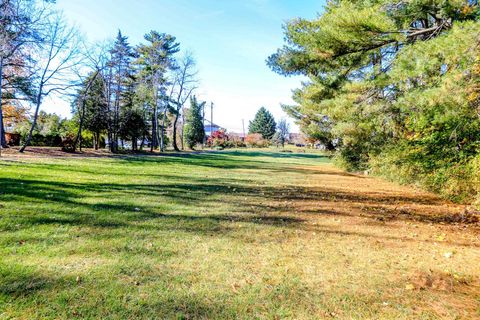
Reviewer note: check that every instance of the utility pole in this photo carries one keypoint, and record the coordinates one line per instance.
(243, 126)
(203, 117)
(211, 118)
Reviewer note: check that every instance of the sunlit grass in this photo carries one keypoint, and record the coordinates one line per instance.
(223, 235)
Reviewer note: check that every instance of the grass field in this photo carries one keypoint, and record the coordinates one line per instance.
(227, 235)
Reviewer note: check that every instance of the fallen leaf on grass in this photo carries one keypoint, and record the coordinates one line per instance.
(448, 255)
(409, 286)
(235, 286)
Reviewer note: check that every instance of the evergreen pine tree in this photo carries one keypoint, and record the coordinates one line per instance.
(120, 70)
(96, 109)
(194, 130)
(155, 59)
(387, 87)
(264, 124)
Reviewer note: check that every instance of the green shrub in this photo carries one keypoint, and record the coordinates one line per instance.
(455, 180)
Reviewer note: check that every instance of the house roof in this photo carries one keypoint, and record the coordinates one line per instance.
(213, 125)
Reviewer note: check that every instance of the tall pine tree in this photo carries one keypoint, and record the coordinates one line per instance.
(120, 71)
(263, 123)
(155, 60)
(91, 107)
(194, 129)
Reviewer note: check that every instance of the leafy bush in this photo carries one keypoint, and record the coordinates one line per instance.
(44, 140)
(67, 143)
(218, 139)
(255, 140)
(236, 142)
(221, 140)
(455, 180)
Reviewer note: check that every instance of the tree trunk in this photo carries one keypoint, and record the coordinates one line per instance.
(134, 144)
(162, 131)
(329, 146)
(183, 128)
(113, 141)
(110, 139)
(175, 122)
(110, 130)
(97, 140)
(143, 141)
(154, 142)
(35, 117)
(80, 127)
(116, 110)
(157, 133)
(3, 141)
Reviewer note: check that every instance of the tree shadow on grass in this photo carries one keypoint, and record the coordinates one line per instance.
(58, 203)
(17, 280)
(228, 160)
(129, 163)
(259, 200)
(267, 154)
(253, 203)
(256, 205)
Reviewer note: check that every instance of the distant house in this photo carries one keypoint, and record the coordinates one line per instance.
(211, 128)
(9, 126)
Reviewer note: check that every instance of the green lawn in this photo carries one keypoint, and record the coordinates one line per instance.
(236, 235)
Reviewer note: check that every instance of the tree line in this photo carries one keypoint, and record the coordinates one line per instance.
(263, 131)
(122, 92)
(135, 93)
(393, 88)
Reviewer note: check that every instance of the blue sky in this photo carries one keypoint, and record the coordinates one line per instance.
(230, 40)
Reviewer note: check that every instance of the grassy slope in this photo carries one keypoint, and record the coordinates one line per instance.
(225, 235)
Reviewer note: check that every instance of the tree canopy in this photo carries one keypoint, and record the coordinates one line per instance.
(390, 87)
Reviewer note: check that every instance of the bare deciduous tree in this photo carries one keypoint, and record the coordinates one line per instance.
(20, 25)
(56, 62)
(184, 84)
(96, 61)
(283, 130)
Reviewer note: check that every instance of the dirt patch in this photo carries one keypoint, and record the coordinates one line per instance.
(440, 281)
(353, 195)
(52, 152)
